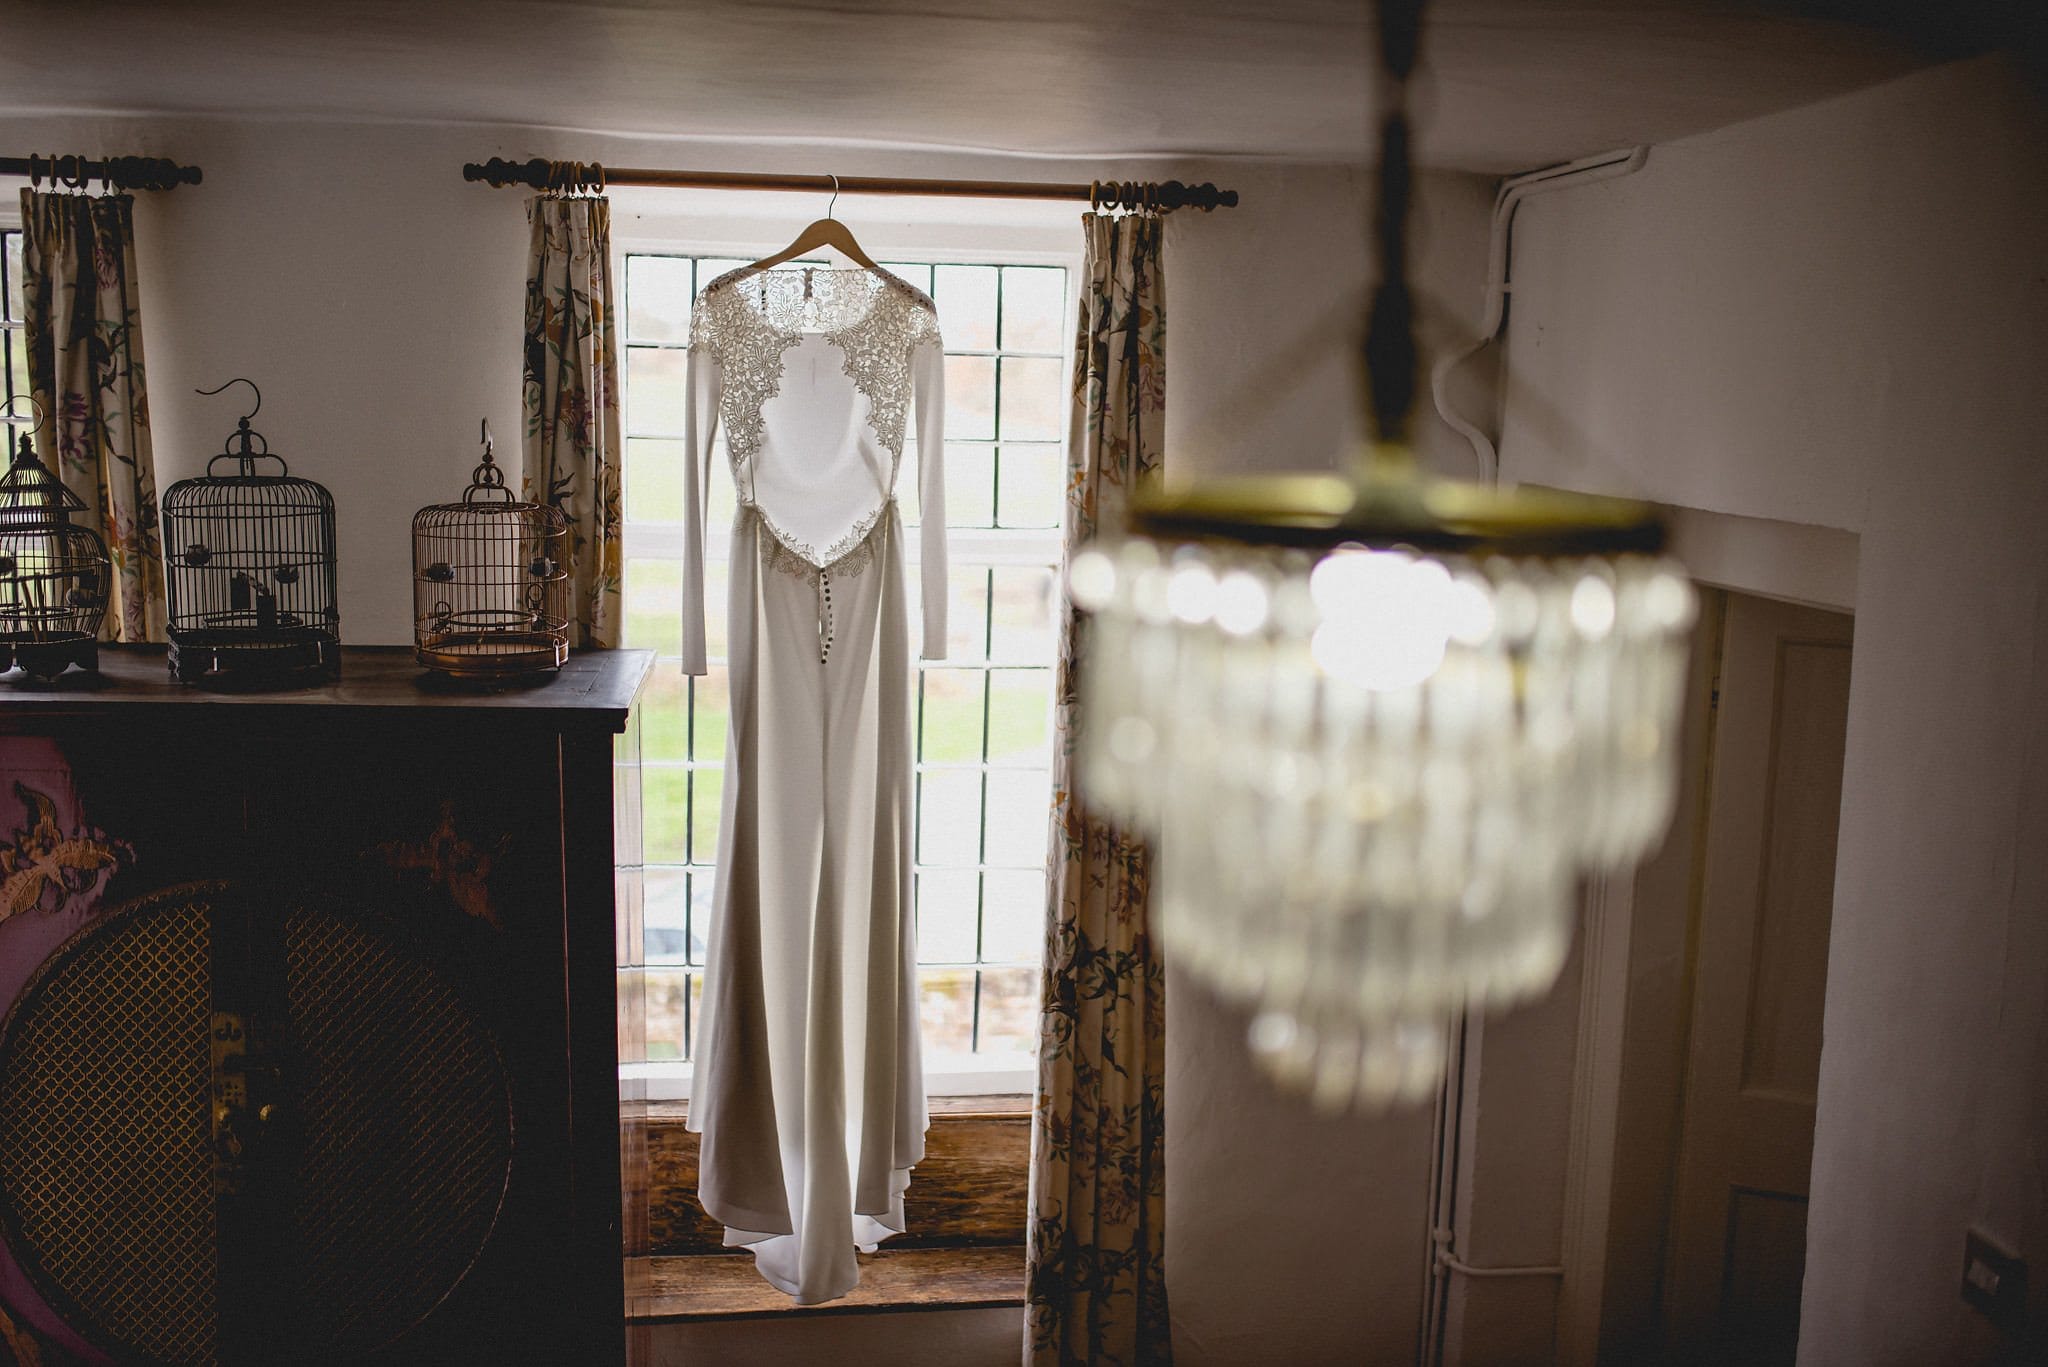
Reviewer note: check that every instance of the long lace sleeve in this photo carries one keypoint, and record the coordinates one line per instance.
(928, 390)
(700, 426)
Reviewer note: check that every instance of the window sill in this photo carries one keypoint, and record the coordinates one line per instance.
(701, 1287)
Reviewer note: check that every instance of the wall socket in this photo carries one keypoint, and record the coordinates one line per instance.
(1994, 1281)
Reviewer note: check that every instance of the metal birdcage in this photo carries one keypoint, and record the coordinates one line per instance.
(53, 576)
(490, 581)
(251, 571)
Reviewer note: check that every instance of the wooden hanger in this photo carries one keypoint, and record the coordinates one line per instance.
(826, 232)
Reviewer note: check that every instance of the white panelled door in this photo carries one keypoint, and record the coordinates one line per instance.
(1760, 971)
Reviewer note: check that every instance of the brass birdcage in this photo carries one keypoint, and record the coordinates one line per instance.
(490, 581)
(251, 571)
(53, 575)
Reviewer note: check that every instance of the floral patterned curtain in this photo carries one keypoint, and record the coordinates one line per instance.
(573, 452)
(1096, 1241)
(84, 340)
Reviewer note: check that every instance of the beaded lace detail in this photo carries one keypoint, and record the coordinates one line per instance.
(750, 318)
(846, 558)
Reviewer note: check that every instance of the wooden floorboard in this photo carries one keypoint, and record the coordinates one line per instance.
(726, 1286)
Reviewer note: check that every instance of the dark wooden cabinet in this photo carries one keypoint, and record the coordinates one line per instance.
(308, 1025)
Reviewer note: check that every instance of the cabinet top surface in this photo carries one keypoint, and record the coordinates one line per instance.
(595, 688)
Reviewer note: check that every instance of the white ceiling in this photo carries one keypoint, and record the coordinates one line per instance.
(1513, 83)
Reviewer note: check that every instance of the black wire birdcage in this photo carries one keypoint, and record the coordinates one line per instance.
(251, 571)
(490, 581)
(53, 576)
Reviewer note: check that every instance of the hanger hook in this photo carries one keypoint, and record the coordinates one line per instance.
(489, 445)
(239, 380)
(829, 204)
(35, 403)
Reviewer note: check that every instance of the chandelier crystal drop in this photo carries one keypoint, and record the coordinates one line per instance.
(1375, 776)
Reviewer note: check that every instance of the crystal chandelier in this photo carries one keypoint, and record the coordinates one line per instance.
(1378, 725)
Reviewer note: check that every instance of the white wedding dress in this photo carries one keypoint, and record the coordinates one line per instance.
(809, 1085)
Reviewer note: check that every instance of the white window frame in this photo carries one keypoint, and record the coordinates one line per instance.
(22, 416)
(978, 244)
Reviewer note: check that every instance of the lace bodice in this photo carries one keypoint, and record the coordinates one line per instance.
(813, 373)
(750, 318)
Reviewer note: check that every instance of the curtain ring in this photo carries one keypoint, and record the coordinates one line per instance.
(597, 169)
(74, 172)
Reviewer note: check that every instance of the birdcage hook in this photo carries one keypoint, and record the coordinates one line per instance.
(26, 447)
(486, 480)
(253, 445)
(239, 380)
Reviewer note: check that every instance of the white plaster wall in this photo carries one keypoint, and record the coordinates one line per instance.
(1839, 315)
(376, 297)
(1291, 1237)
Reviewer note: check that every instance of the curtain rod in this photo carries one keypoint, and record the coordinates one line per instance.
(121, 173)
(542, 174)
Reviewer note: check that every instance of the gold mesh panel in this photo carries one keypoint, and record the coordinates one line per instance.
(106, 1165)
(407, 1133)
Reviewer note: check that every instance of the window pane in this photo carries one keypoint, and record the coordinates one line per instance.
(696, 1001)
(945, 917)
(709, 268)
(1009, 1011)
(950, 723)
(1034, 308)
(970, 484)
(703, 884)
(1032, 490)
(966, 296)
(17, 361)
(970, 397)
(665, 714)
(1020, 625)
(665, 813)
(949, 817)
(1019, 810)
(654, 605)
(666, 937)
(1013, 916)
(712, 713)
(967, 613)
(707, 785)
(1020, 716)
(655, 391)
(1034, 402)
(946, 1010)
(911, 273)
(654, 480)
(667, 1013)
(16, 308)
(658, 298)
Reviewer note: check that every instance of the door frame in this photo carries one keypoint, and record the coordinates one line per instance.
(1621, 1078)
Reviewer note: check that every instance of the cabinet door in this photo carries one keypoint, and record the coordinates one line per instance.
(246, 1125)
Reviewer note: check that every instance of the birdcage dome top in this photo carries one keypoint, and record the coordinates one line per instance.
(273, 492)
(30, 491)
(488, 496)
